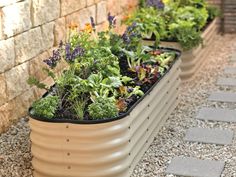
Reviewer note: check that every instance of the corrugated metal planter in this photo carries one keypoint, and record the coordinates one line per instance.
(193, 59)
(108, 149)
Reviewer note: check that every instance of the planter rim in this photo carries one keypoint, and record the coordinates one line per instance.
(67, 120)
(204, 29)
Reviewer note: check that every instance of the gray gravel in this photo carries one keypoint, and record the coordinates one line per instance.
(15, 154)
(15, 157)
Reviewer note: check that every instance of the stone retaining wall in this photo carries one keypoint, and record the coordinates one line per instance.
(29, 29)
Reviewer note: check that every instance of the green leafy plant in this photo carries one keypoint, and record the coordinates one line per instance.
(183, 3)
(32, 81)
(163, 59)
(149, 22)
(46, 107)
(213, 12)
(183, 20)
(185, 34)
(102, 108)
(198, 17)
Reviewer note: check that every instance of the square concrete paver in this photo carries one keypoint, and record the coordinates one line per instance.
(189, 166)
(230, 70)
(223, 97)
(226, 81)
(217, 114)
(206, 135)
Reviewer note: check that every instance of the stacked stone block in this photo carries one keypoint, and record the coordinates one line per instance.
(29, 30)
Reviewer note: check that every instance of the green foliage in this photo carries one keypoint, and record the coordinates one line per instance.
(79, 108)
(103, 87)
(186, 35)
(135, 58)
(46, 107)
(136, 91)
(165, 59)
(186, 26)
(102, 108)
(180, 20)
(32, 81)
(149, 22)
(142, 3)
(198, 17)
(213, 12)
(49, 73)
(183, 3)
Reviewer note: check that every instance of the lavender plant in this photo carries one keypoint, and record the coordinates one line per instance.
(155, 3)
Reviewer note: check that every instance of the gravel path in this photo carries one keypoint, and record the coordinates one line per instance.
(15, 154)
(15, 157)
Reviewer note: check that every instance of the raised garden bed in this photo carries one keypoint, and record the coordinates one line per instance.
(106, 148)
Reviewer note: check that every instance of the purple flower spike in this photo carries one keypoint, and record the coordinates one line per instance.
(131, 27)
(72, 54)
(156, 3)
(92, 22)
(111, 19)
(52, 61)
(67, 51)
(131, 33)
(126, 38)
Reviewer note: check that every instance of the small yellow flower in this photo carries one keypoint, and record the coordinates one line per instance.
(165, 1)
(88, 28)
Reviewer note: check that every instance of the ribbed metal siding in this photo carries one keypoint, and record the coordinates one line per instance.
(103, 150)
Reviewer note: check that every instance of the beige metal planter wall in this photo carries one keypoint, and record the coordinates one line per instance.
(109, 149)
(193, 59)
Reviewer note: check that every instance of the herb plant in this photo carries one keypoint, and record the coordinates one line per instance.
(103, 107)
(46, 107)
